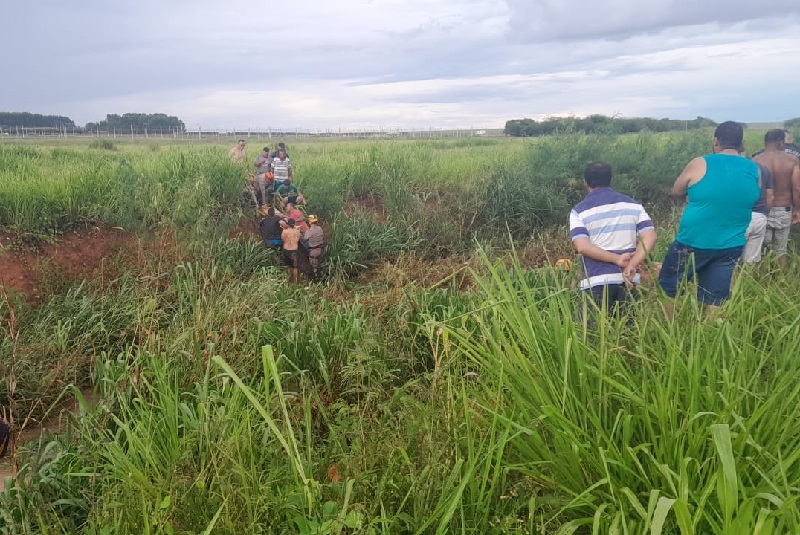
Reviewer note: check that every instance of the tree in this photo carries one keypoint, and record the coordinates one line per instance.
(792, 123)
(601, 124)
(34, 120)
(139, 122)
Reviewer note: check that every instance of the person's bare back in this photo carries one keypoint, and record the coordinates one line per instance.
(291, 239)
(785, 175)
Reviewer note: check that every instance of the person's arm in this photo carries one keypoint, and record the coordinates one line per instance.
(583, 245)
(586, 248)
(692, 173)
(796, 193)
(647, 240)
(291, 173)
(766, 184)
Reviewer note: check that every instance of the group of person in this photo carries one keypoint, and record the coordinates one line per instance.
(735, 206)
(272, 181)
(283, 225)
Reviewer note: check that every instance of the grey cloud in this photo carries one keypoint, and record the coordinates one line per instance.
(545, 20)
(155, 51)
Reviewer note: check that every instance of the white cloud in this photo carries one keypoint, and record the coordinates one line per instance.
(311, 64)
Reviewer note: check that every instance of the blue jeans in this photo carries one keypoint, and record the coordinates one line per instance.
(711, 268)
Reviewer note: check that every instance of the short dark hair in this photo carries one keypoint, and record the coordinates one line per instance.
(730, 135)
(281, 145)
(774, 136)
(290, 222)
(271, 212)
(265, 149)
(597, 175)
(241, 141)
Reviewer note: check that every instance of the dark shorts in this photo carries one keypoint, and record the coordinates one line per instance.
(711, 268)
(274, 243)
(612, 298)
(290, 258)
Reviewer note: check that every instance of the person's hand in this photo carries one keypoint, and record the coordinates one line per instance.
(630, 272)
(623, 259)
(795, 218)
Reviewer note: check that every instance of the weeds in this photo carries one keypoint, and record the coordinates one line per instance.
(233, 402)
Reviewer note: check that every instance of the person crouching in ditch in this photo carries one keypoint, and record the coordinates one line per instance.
(613, 234)
(291, 243)
(270, 227)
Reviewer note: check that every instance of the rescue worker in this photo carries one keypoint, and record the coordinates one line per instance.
(313, 240)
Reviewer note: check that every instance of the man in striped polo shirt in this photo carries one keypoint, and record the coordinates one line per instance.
(613, 234)
(281, 168)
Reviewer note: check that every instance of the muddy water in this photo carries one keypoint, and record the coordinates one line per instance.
(51, 426)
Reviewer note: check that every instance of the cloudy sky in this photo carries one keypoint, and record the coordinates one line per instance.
(411, 63)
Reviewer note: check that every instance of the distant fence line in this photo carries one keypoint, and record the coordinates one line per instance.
(257, 133)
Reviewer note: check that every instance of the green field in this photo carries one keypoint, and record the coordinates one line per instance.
(436, 381)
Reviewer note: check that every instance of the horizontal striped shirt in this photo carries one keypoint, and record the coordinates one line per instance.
(611, 221)
(281, 169)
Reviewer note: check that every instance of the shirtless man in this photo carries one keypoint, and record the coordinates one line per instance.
(785, 171)
(238, 153)
(291, 243)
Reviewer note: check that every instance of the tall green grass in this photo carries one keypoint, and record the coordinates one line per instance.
(47, 191)
(494, 411)
(479, 186)
(663, 427)
(234, 402)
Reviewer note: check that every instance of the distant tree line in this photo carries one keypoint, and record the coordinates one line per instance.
(10, 119)
(792, 123)
(152, 122)
(600, 124)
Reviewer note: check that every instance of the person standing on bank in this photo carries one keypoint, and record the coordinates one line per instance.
(613, 234)
(239, 152)
(758, 222)
(721, 188)
(785, 171)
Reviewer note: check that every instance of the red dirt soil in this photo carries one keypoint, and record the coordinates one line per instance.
(25, 265)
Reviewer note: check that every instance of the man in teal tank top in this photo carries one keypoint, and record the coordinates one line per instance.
(721, 188)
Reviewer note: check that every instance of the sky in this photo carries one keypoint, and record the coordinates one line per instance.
(349, 64)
